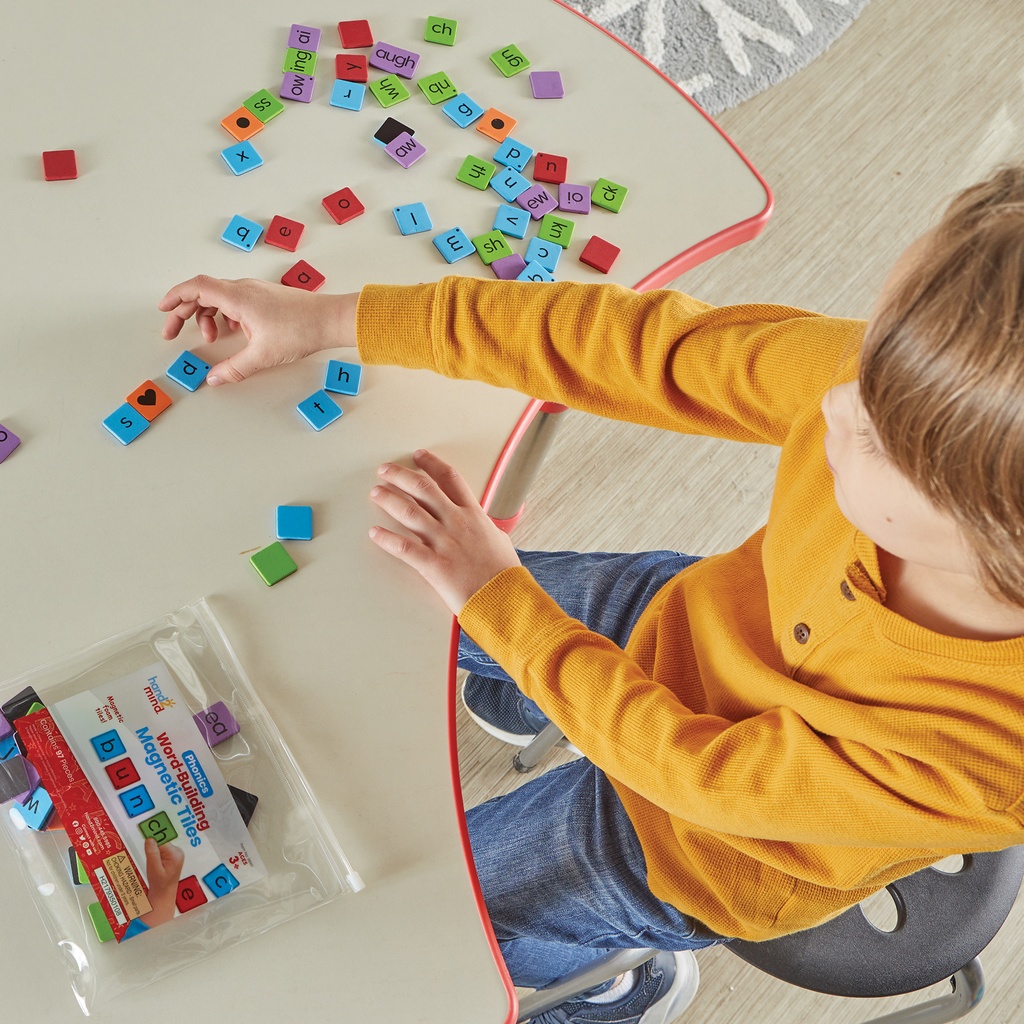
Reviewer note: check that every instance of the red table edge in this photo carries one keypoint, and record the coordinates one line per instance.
(729, 237)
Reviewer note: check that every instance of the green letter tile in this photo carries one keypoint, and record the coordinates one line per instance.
(555, 229)
(509, 60)
(608, 195)
(273, 563)
(389, 91)
(491, 246)
(264, 105)
(441, 30)
(299, 62)
(476, 172)
(438, 87)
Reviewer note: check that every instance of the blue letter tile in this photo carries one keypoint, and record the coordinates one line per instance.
(544, 253)
(136, 801)
(509, 184)
(241, 157)
(220, 881)
(535, 272)
(242, 233)
(348, 95)
(126, 423)
(512, 220)
(454, 245)
(319, 409)
(513, 154)
(188, 370)
(108, 745)
(412, 218)
(343, 378)
(462, 110)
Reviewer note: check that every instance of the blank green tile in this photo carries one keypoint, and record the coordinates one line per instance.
(99, 921)
(273, 563)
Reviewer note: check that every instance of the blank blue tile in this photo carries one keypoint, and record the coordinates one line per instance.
(242, 233)
(343, 378)
(126, 423)
(512, 220)
(462, 110)
(241, 157)
(348, 95)
(294, 522)
(545, 253)
(412, 218)
(509, 184)
(454, 245)
(319, 409)
(188, 370)
(512, 154)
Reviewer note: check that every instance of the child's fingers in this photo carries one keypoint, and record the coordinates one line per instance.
(447, 478)
(405, 549)
(404, 509)
(420, 488)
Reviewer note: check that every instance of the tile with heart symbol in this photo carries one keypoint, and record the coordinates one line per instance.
(149, 400)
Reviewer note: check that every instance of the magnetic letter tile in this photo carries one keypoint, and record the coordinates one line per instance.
(437, 88)
(599, 254)
(343, 378)
(158, 828)
(100, 923)
(8, 747)
(136, 801)
(241, 157)
(190, 895)
(303, 37)
(122, 773)
(13, 778)
(355, 34)
(343, 205)
(294, 522)
(242, 124)
(412, 218)
(441, 30)
(5, 726)
(149, 400)
(284, 233)
(60, 165)
(299, 62)
(264, 105)
(348, 95)
(538, 200)
(9, 440)
(394, 60)
(462, 110)
(297, 87)
(555, 229)
(608, 195)
(351, 67)
(216, 722)
(319, 409)
(405, 150)
(491, 246)
(510, 61)
(513, 154)
(509, 184)
(389, 130)
(508, 268)
(548, 167)
(454, 245)
(220, 881)
(573, 198)
(242, 233)
(245, 802)
(76, 868)
(546, 85)
(188, 370)
(512, 220)
(535, 272)
(126, 423)
(496, 125)
(544, 253)
(476, 172)
(273, 563)
(36, 809)
(302, 275)
(389, 91)
(17, 706)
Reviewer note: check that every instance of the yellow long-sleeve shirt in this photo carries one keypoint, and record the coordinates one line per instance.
(783, 743)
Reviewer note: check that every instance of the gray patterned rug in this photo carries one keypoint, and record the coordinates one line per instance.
(724, 51)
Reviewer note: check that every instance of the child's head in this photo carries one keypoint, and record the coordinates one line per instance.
(942, 373)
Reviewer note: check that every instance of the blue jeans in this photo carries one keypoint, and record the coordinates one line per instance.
(560, 866)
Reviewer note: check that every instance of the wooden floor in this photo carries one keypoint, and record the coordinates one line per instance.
(916, 100)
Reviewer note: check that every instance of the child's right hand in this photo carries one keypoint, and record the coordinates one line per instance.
(280, 324)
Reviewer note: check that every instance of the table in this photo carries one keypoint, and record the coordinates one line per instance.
(350, 654)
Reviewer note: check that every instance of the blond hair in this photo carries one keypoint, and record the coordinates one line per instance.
(942, 374)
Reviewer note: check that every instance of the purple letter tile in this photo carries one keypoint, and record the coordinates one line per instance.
(546, 85)
(574, 198)
(302, 37)
(508, 268)
(8, 442)
(216, 723)
(388, 57)
(538, 201)
(405, 149)
(297, 87)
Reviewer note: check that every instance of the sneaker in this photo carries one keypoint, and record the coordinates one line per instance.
(499, 708)
(665, 987)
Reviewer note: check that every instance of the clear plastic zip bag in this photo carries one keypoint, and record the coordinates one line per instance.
(156, 813)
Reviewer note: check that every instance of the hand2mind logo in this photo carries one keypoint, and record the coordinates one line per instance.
(156, 697)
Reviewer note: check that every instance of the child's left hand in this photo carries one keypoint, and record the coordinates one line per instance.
(454, 545)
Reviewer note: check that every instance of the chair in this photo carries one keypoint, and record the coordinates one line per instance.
(944, 921)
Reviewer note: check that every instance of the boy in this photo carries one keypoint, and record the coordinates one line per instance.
(771, 734)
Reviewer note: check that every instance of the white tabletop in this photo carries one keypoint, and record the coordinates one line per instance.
(350, 654)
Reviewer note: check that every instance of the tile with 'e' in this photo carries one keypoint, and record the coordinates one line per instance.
(149, 400)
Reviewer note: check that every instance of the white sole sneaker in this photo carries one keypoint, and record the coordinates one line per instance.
(680, 994)
(514, 738)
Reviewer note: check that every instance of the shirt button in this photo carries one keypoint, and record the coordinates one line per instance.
(844, 589)
(801, 632)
